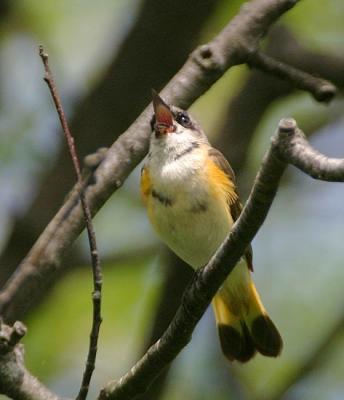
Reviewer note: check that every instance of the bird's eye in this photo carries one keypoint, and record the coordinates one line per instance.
(183, 119)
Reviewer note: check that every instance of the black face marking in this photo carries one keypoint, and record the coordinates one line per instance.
(166, 201)
(193, 146)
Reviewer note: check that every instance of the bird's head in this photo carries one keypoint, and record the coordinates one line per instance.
(174, 129)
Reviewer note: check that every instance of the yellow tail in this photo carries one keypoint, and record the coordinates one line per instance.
(244, 326)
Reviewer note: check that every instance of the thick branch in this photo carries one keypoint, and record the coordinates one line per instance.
(288, 146)
(260, 90)
(15, 381)
(112, 104)
(205, 65)
(288, 142)
(198, 296)
(177, 275)
(298, 152)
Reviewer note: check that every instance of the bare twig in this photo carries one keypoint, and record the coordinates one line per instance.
(300, 154)
(321, 89)
(260, 90)
(123, 88)
(288, 146)
(199, 294)
(15, 380)
(204, 66)
(96, 268)
(234, 45)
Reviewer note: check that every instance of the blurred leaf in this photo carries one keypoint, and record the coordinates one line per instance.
(318, 23)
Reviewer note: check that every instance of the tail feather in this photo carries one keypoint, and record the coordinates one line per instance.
(246, 329)
(266, 337)
(236, 345)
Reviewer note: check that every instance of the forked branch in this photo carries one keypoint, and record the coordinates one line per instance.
(289, 146)
(236, 44)
(16, 381)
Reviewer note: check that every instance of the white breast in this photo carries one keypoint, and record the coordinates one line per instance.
(196, 222)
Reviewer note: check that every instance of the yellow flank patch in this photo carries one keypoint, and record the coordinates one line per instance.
(146, 184)
(224, 315)
(222, 185)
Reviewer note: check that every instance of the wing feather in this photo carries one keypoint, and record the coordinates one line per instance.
(234, 204)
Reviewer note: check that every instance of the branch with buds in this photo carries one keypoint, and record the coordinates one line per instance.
(238, 43)
(289, 146)
(15, 380)
(96, 268)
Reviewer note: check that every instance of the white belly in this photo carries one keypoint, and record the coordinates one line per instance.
(193, 232)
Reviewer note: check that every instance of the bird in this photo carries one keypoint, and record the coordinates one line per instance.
(190, 193)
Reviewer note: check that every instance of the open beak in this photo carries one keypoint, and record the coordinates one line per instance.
(163, 115)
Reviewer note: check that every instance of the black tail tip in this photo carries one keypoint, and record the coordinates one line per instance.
(236, 345)
(266, 337)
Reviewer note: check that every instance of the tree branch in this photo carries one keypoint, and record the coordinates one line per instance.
(288, 146)
(177, 275)
(123, 88)
(300, 154)
(204, 66)
(260, 90)
(321, 89)
(15, 380)
(96, 268)
(234, 45)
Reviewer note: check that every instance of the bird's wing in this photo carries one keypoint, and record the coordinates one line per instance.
(233, 200)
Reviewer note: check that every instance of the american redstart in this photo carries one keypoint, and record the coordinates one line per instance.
(192, 201)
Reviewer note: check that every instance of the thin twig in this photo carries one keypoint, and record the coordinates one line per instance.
(321, 89)
(205, 65)
(198, 295)
(262, 89)
(96, 268)
(288, 146)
